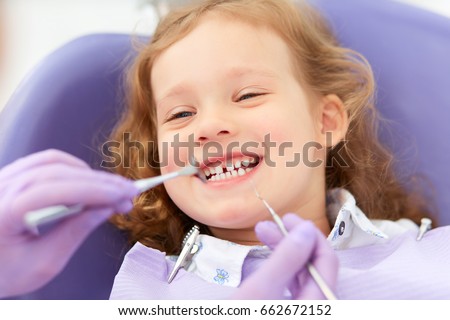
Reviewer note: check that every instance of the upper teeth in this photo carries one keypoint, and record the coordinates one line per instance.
(228, 170)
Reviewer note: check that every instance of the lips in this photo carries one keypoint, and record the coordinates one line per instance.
(230, 169)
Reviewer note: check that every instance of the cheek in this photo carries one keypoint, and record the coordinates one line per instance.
(166, 153)
(173, 151)
(293, 144)
(289, 135)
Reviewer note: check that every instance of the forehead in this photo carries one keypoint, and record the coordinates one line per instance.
(220, 44)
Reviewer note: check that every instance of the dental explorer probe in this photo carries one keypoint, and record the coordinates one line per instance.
(38, 221)
(327, 292)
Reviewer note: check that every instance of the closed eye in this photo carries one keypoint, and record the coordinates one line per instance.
(248, 96)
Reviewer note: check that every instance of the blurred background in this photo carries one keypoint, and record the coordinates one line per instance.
(34, 28)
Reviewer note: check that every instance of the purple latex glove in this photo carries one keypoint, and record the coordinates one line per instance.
(44, 179)
(286, 267)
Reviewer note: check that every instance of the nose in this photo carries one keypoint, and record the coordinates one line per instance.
(216, 126)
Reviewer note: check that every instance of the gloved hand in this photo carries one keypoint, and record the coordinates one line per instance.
(286, 266)
(48, 178)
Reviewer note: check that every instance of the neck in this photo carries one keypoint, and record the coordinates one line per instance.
(245, 236)
(315, 211)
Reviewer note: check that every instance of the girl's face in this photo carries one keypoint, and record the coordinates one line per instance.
(227, 95)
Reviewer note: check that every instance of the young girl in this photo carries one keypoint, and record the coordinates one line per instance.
(260, 94)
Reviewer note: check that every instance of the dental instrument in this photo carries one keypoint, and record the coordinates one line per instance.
(425, 225)
(38, 221)
(189, 249)
(327, 292)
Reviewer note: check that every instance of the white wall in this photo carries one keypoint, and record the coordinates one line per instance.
(439, 6)
(36, 27)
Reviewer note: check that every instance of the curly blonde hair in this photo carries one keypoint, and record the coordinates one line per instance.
(326, 68)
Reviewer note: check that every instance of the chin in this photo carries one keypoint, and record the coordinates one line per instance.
(225, 216)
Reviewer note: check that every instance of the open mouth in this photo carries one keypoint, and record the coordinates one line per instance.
(230, 170)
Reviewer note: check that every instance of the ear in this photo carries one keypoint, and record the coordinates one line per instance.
(333, 120)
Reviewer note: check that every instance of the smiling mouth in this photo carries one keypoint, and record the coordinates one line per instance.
(230, 170)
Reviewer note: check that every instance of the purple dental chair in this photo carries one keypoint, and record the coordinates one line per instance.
(70, 101)
(73, 97)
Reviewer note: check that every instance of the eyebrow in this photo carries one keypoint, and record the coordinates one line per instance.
(178, 89)
(234, 72)
(241, 71)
